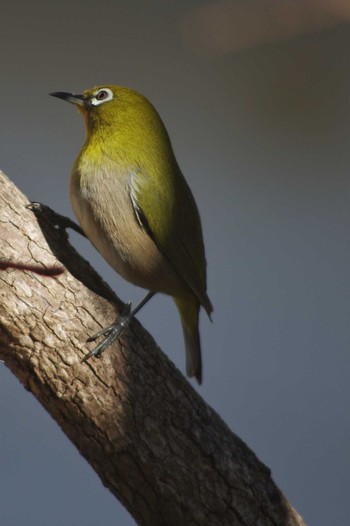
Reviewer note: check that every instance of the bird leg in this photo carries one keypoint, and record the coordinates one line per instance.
(112, 332)
(54, 218)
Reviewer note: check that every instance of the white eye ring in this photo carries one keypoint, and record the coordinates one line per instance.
(101, 96)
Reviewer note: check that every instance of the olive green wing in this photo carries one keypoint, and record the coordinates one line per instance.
(166, 209)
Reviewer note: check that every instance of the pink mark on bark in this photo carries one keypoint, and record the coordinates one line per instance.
(42, 271)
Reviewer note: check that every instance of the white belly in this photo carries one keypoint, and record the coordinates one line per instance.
(103, 207)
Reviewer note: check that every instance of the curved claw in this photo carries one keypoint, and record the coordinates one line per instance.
(35, 205)
(88, 355)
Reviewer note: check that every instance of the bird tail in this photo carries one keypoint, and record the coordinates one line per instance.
(189, 313)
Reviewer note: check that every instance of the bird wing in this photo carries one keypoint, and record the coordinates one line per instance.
(166, 209)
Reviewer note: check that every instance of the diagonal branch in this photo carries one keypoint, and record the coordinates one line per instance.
(152, 440)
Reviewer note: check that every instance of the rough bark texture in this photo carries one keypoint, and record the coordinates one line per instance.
(153, 441)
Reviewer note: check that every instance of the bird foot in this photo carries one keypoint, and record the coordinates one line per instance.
(111, 333)
(57, 220)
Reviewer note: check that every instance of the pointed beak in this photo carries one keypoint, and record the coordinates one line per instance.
(78, 100)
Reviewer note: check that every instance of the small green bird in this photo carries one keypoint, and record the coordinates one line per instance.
(134, 205)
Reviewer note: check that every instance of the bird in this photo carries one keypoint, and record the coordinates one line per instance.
(134, 205)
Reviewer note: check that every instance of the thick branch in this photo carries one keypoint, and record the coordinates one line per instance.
(153, 441)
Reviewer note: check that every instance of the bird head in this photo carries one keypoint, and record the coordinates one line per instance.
(112, 106)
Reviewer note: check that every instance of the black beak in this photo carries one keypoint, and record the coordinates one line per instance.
(78, 100)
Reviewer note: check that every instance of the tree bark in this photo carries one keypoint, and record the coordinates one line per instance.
(158, 447)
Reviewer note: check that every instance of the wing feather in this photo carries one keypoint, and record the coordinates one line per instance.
(169, 214)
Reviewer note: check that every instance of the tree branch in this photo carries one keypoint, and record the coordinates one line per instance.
(158, 447)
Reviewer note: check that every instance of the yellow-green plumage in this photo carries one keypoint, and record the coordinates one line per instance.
(135, 206)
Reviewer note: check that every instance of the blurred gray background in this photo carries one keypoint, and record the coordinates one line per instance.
(256, 99)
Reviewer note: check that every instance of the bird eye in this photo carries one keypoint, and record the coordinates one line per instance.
(101, 95)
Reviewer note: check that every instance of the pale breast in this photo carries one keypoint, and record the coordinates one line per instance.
(102, 203)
